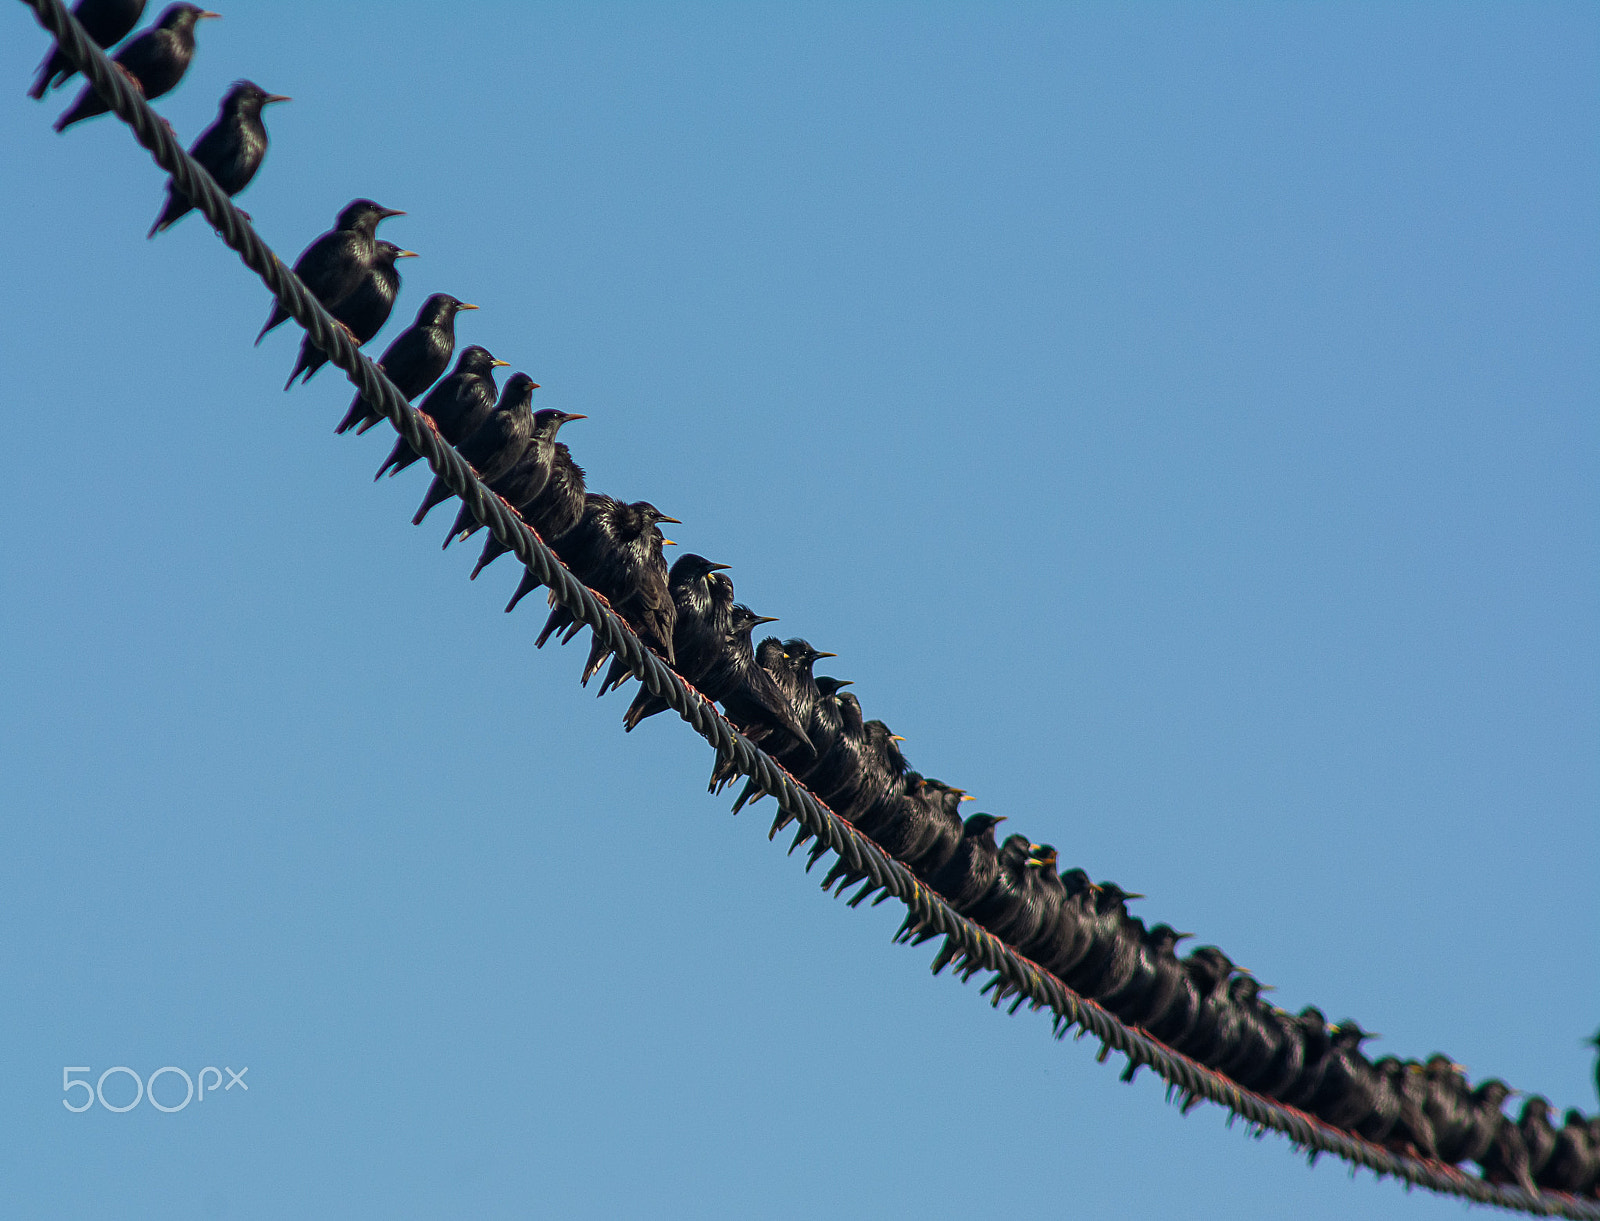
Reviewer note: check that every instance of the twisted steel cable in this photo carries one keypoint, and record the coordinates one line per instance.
(980, 948)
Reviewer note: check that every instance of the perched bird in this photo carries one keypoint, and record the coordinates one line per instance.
(1155, 976)
(838, 775)
(457, 406)
(760, 707)
(554, 511)
(1574, 1161)
(1506, 1159)
(615, 549)
(967, 875)
(704, 601)
(790, 664)
(363, 312)
(1109, 960)
(1316, 1039)
(495, 445)
(1070, 936)
(155, 61)
(231, 149)
(1278, 1073)
(415, 360)
(1469, 1136)
(1538, 1133)
(1209, 970)
(1349, 1086)
(527, 477)
(107, 22)
(1242, 1039)
(334, 265)
(1007, 894)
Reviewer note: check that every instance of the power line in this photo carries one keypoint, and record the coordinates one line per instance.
(979, 948)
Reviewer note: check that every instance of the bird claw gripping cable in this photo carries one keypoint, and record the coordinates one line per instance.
(972, 947)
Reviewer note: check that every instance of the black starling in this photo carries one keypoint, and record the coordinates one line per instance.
(1288, 1057)
(901, 827)
(704, 601)
(1064, 944)
(1383, 1123)
(1043, 896)
(1538, 1134)
(457, 406)
(494, 445)
(1348, 1092)
(1007, 892)
(1506, 1160)
(641, 595)
(1573, 1161)
(1113, 945)
(616, 551)
(231, 149)
(107, 22)
(837, 776)
(525, 480)
(415, 360)
(1209, 969)
(760, 707)
(943, 834)
(363, 312)
(1316, 1040)
(1449, 1107)
(1244, 1032)
(790, 664)
(334, 265)
(155, 61)
(1113, 959)
(1154, 979)
(1414, 1134)
(552, 512)
(967, 875)
(1483, 1120)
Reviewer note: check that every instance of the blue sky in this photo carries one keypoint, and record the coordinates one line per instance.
(1180, 419)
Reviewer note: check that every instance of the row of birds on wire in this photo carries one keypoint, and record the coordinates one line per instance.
(1203, 1005)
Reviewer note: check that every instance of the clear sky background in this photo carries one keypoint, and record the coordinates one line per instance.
(1180, 419)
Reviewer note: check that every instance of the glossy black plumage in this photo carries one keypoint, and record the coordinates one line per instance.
(107, 22)
(495, 445)
(967, 875)
(1113, 943)
(415, 360)
(1573, 1161)
(1276, 1074)
(335, 265)
(1316, 1038)
(704, 600)
(642, 597)
(615, 549)
(156, 60)
(554, 511)
(759, 706)
(457, 406)
(1006, 893)
(790, 664)
(1154, 978)
(1208, 970)
(363, 312)
(1348, 1091)
(527, 476)
(1070, 936)
(231, 149)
